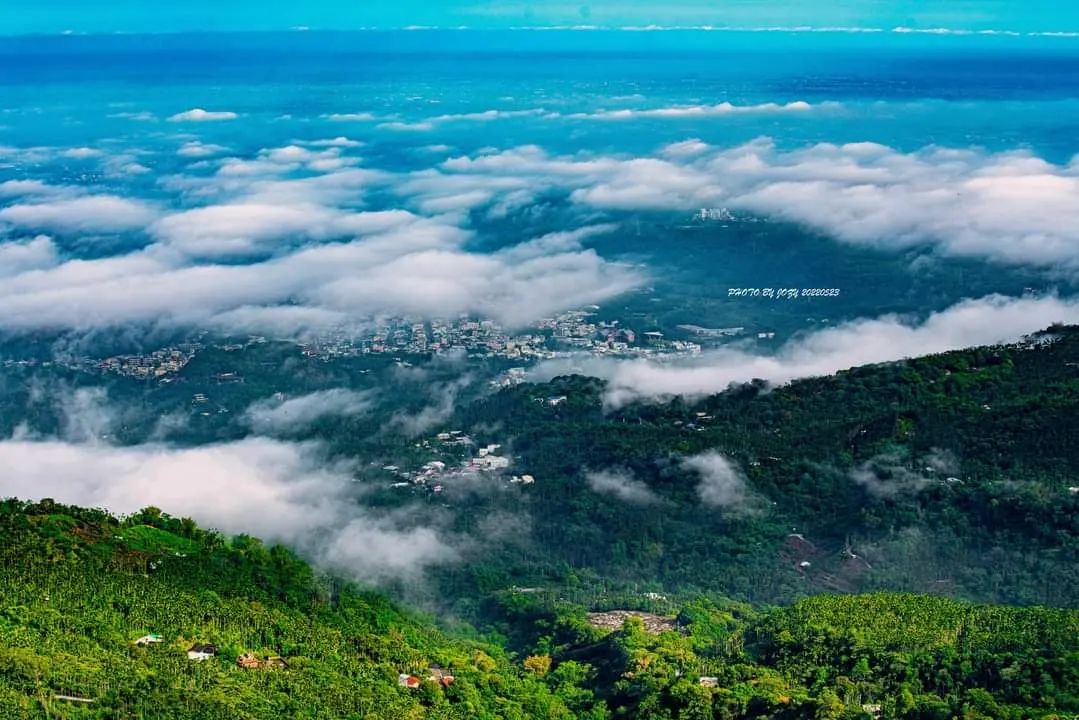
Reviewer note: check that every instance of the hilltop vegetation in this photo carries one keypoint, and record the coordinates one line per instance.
(879, 655)
(78, 587)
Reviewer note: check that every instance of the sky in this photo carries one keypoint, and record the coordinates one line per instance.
(54, 16)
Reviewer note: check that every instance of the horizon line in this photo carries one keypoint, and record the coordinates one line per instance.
(777, 29)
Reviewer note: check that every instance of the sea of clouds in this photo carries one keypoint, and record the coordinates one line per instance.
(310, 234)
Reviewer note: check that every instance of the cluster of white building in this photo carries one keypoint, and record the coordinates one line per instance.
(435, 474)
(557, 336)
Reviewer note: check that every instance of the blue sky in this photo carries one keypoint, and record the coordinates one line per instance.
(50, 16)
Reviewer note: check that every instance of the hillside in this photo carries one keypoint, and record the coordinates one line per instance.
(695, 578)
(885, 655)
(951, 474)
(79, 588)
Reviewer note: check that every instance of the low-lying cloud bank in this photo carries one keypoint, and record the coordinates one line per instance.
(405, 265)
(85, 214)
(1009, 207)
(671, 112)
(723, 109)
(283, 416)
(623, 486)
(283, 240)
(282, 492)
(985, 321)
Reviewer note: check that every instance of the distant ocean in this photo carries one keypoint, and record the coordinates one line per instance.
(899, 89)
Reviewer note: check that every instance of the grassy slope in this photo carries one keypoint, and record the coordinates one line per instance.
(77, 587)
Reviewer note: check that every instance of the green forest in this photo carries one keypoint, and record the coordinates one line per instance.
(80, 588)
(951, 474)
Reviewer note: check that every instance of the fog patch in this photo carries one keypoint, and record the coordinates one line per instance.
(895, 474)
(445, 401)
(986, 321)
(283, 492)
(279, 415)
(622, 485)
(85, 415)
(722, 484)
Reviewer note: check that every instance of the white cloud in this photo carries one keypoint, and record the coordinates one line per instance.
(487, 115)
(282, 416)
(783, 29)
(378, 548)
(294, 321)
(201, 115)
(555, 242)
(123, 168)
(420, 126)
(340, 142)
(241, 228)
(1009, 207)
(267, 180)
(282, 492)
(942, 461)
(450, 282)
(722, 484)
(686, 148)
(484, 116)
(351, 117)
(197, 149)
(90, 213)
(298, 155)
(722, 109)
(81, 153)
(85, 415)
(403, 266)
(142, 116)
(986, 321)
(17, 188)
(621, 485)
(20, 256)
(445, 399)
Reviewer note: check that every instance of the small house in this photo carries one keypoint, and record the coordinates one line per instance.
(408, 681)
(150, 639)
(201, 651)
(248, 662)
(708, 682)
(439, 676)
